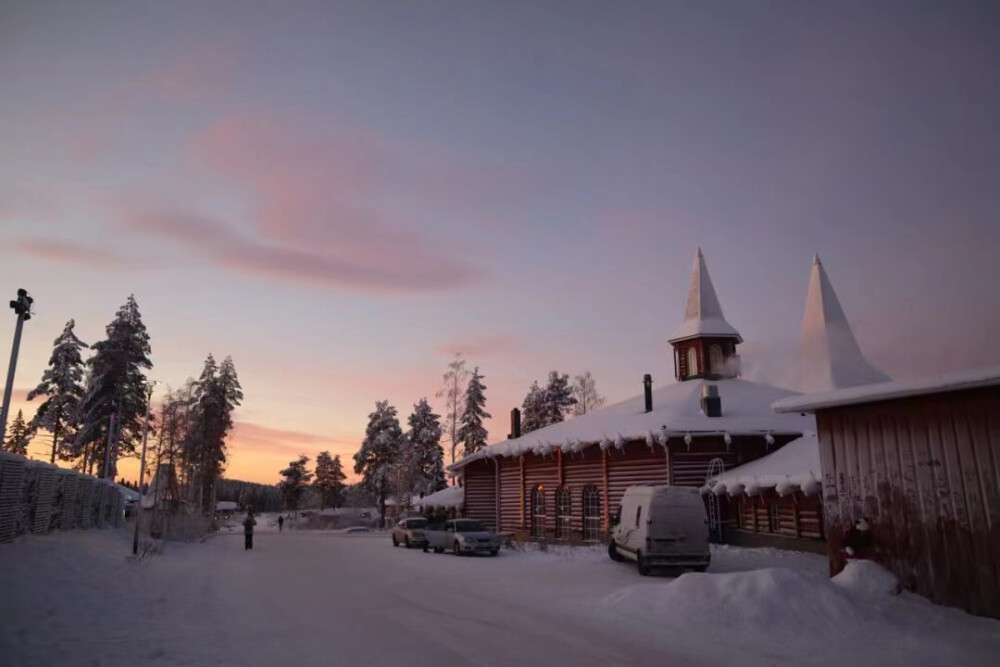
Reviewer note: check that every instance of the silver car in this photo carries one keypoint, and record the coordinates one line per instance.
(463, 536)
(410, 532)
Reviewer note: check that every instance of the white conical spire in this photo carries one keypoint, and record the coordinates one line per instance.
(703, 314)
(829, 356)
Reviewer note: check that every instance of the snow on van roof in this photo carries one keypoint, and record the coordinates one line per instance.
(791, 468)
(746, 410)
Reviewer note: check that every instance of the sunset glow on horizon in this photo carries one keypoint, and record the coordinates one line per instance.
(342, 196)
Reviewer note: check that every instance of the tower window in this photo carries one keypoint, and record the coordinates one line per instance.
(692, 362)
(716, 359)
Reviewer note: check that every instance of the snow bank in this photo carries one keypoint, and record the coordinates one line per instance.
(867, 578)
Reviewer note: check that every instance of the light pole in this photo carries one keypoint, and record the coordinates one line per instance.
(142, 468)
(21, 306)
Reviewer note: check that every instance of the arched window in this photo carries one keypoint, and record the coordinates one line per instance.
(563, 512)
(591, 513)
(538, 511)
(716, 359)
(692, 365)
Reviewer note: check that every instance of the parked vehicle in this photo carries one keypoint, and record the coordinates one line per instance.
(410, 532)
(661, 526)
(463, 536)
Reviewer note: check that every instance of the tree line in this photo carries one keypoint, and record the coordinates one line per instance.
(104, 401)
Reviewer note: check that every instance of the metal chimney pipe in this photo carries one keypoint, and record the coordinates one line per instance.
(647, 383)
(515, 424)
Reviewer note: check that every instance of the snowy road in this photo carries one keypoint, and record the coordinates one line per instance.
(302, 598)
(312, 598)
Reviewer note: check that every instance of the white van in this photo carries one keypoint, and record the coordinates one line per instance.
(661, 526)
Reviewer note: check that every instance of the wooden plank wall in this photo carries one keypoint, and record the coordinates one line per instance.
(925, 472)
(510, 494)
(542, 470)
(480, 492)
(579, 470)
(636, 464)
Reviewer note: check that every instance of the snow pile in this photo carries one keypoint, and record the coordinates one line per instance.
(772, 600)
(867, 578)
(791, 468)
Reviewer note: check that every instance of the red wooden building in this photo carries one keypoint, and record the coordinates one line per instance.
(921, 462)
(563, 481)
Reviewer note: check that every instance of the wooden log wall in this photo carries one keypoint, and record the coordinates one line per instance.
(580, 470)
(480, 492)
(925, 472)
(510, 494)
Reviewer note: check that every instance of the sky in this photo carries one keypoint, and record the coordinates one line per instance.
(342, 195)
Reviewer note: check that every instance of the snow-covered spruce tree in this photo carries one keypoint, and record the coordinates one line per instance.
(472, 434)
(424, 454)
(62, 383)
(18, 436)
(218, 394)
(557, 399)
(329, 479)
(115, 376)
(453, 392)
(295, 480)
(337, 491)
(585, 393)
(532, 408)
(379, 456)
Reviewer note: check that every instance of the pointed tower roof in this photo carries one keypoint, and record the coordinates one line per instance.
(703, 314)
(829, 356)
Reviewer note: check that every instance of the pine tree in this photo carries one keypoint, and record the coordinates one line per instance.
(115, 383)
(454, 389)
(329, 480)
(337, 473)
(424, 454)
(558, 399)
(379, 456)
(18, 436)
(62, 384)
(532, 418)
(218, 394)
(296, 479)
(472, 434)
(585, 393)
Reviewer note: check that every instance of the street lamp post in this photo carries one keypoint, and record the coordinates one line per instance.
(21, 306)
(142, 468)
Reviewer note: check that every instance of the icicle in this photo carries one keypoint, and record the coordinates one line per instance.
(786, 487)
(736, 489)
(663, 438)
(705, 490)
(719, 489)
(605, 444)
(812, 487)
(620, 442)
(728, 440)
(769, 439)
(687, 441)
(650, 439)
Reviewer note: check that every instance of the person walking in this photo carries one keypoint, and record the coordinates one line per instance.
(248, 524)
(281, 522)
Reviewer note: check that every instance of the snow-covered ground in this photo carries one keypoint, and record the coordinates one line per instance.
(320, 598)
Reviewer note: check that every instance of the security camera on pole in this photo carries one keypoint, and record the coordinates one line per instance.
(21, 306)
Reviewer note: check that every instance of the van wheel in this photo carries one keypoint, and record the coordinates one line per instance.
(641, 564)
(613, 552)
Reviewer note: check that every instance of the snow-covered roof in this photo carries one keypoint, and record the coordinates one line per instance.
(453, 496)
(791, 468)
(703, 313)
(829, 355)
(746, 410)
(885, 391)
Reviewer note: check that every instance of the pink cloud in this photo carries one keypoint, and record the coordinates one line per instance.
(200, 72)
(70, 253)
(483, 345)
